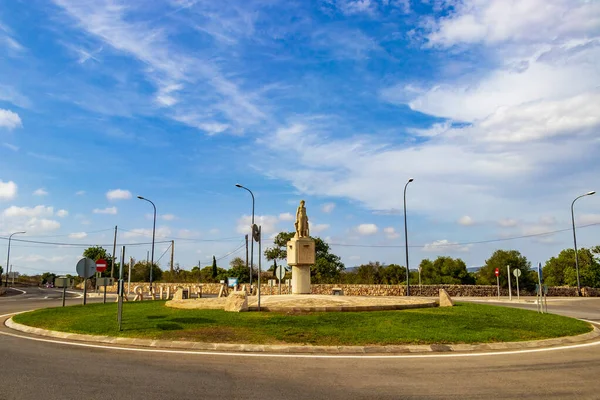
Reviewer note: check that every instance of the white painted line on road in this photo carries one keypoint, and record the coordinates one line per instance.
(335, 356)
(22, 291)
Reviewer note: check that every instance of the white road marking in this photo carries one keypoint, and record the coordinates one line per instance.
(333, 356)
(22, 291)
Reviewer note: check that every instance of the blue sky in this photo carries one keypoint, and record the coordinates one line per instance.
(493, 108)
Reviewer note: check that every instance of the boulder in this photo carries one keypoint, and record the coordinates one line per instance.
(237, 301)
(445, 300)
(178, 294)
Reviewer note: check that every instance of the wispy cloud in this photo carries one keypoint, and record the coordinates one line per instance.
(11, 146)
(108, 210)
(173, 71)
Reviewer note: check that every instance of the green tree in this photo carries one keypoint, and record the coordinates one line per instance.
(214, 268)
(369, 273)
(140, 272)
(96, 253)
(500, 259)
(560, 270)
(238, 270)
(328, 266)
(48, 277)
(392, 274)
(445, 270)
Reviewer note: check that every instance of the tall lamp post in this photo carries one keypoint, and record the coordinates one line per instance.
(153, 234)
(406, 241)
(575, 238)
(8, 256)
(252, 234)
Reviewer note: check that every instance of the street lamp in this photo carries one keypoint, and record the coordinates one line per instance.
(251, 234)
(153, 234)
(406, 241)
(8, 256)
(575, 238)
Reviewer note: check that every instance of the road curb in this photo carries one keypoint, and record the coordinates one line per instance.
(307, 349)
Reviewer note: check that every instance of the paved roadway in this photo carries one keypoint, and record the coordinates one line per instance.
(45, 370)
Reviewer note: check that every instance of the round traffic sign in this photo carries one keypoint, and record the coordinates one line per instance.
(497, 272)
(280, 272)
(86, 268)
(101, 265)
(517, 272)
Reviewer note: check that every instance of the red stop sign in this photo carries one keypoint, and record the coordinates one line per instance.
(497, 272)
(101, 265)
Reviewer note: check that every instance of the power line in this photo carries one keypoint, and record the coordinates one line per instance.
(68, 234)
(81, 244)
(165, 252)
(227, 239)
(465, 243)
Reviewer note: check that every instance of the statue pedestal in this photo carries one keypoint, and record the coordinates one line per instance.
(300, 256)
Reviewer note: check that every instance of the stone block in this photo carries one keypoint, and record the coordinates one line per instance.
(445, 300)
(301, 251)
(178, 294)
(237, 301)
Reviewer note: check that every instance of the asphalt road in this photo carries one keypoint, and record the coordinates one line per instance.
(44, 370)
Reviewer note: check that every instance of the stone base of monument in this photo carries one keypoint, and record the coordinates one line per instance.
(300, 256)
(310, 303)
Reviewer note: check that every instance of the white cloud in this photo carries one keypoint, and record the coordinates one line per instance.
(268, 224)
(465, 220)
(522, 21)
(366, 229)
(586, 219)
(40, 192)
(78, 235)
(37, 211)
(35, 225)
(62, 213)
(214, 231)
(318, 228)
(286, 217)
(80, 193)
(508, 223)
(168, 217)
(160, 232)
(9, 119)
(390, 232)
(118, 194)
(187, 234)
(8, 190)
(547, 220)
(37, 258)
(108, 210)
(327, 207)
(445, 246)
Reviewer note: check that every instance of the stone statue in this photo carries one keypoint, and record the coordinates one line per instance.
(301, 221)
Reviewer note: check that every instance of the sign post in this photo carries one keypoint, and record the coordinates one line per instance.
(509, 288)
(539, 288)
(86, 268)
(497, 273)
(280, 273)
(517, 274)
(100, 267)
(120, 289)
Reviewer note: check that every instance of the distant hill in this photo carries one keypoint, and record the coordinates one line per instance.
(473, 269)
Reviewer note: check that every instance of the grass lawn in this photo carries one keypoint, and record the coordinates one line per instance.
(463, 323)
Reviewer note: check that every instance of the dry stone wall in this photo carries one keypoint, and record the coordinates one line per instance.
(372, 290)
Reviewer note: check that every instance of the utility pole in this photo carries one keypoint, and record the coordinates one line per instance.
(112, 268)
(172, 255)
(246, 252)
